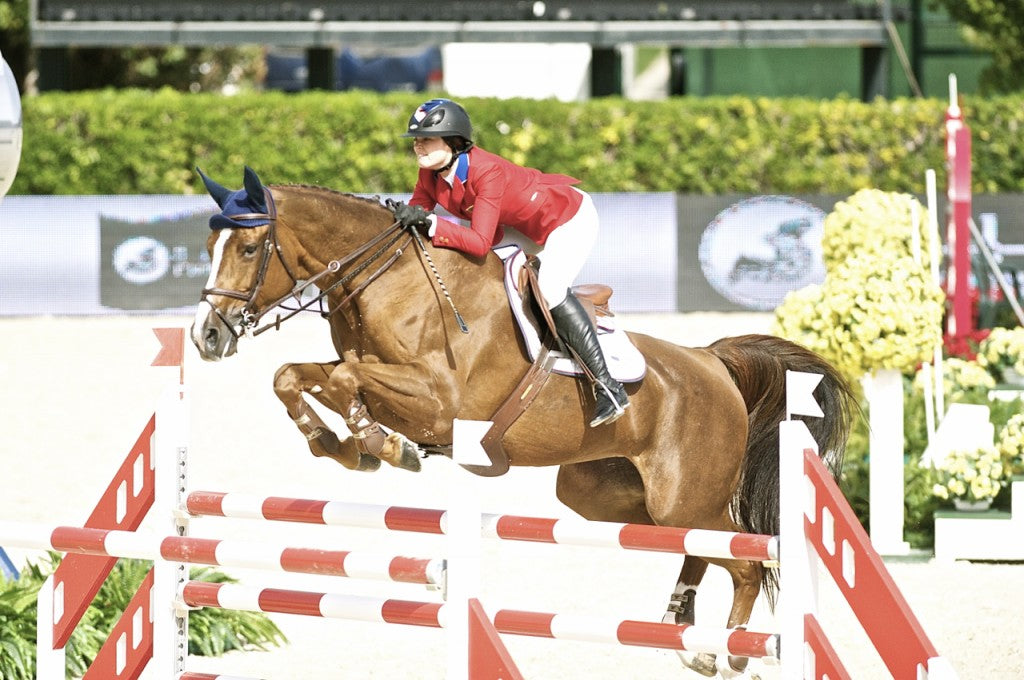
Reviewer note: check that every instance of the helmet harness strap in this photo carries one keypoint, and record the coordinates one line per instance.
(455, 156)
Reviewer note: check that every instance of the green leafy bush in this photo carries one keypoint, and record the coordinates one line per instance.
(212, 632)
(148, 142)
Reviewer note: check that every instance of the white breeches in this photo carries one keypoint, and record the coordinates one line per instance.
(564, 253)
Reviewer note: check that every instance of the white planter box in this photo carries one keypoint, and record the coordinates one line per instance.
(989, 535)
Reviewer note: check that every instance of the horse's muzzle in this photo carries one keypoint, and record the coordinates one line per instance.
(211, 334)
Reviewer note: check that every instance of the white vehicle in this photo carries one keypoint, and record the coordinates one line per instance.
(10, 127)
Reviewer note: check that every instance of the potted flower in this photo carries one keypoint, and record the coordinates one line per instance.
(971, 478)
(1011, 444)
(962, 381)
(1002, 354)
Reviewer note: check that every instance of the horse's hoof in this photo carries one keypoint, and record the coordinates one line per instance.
(736, 667)
(368, 463)
(704, 663)
(401, 452)
(738, 663)
(410, 457)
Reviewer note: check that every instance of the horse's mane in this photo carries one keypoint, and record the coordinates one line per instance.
(327, 190)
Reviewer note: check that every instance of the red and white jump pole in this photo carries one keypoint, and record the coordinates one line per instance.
(512, 622)
(707, 543)
(224, 553)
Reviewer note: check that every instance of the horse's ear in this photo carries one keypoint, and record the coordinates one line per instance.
(254, 189)
(219, 193)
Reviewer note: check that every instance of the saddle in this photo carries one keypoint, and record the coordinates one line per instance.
(625, 363)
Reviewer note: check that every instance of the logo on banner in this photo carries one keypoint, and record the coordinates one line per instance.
(757, 250)
(159, 263)
(141, 260)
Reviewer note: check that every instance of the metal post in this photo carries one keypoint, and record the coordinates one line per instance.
(605, 72)
(960, 323)
(320, 64)
(170, 616)
(873, 80)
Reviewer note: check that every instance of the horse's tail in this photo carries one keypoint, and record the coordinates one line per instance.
(758, 365)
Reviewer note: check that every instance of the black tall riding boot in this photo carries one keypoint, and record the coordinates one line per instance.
(577, 331)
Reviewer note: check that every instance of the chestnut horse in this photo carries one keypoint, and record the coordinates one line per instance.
(698, 447)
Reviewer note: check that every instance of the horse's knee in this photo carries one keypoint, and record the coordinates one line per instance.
(286, 382)
(342, 380)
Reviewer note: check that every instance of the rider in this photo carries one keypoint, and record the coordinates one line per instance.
(554, 221)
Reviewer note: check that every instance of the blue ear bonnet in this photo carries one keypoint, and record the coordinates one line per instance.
(238, 203)
(249, 201)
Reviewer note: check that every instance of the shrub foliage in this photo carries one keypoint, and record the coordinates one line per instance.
(145, 142)
(212, 632)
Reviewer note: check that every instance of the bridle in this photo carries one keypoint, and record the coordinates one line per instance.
(250, 317)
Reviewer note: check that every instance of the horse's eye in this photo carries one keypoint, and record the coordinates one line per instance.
(251, 249)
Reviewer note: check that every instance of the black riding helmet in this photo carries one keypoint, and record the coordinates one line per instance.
(442, 118)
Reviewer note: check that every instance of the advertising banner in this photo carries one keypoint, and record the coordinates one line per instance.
(156, 264)
(744, 253)
(56, 258)
(147, 254)
(660, 252)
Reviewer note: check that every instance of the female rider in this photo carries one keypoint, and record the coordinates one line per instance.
(558, 224)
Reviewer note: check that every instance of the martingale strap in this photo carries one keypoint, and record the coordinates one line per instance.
(514, 405)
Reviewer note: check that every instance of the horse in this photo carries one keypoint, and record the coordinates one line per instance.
(698, 448)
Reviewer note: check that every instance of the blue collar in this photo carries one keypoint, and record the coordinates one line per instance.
(462, 167)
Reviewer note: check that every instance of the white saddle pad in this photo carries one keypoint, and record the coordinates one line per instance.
(625, 362)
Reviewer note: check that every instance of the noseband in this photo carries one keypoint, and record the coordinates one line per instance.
(251, 316)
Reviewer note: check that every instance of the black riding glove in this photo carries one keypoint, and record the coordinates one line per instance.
(410, 216)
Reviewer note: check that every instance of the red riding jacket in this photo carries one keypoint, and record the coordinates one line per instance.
(493, 193)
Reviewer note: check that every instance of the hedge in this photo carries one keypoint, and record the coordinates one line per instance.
(145, 142)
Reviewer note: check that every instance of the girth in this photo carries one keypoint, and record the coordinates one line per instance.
(522, 396)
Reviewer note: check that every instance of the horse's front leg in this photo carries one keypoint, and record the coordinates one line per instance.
(290, 383)
(416, 400)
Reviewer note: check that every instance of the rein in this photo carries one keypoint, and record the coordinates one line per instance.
(251, 318)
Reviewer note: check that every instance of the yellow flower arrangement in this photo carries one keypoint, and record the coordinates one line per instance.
(1011, 444)
(1003, 349)
(874, 223)
(959, 378)
(970, 475)
(878, 307)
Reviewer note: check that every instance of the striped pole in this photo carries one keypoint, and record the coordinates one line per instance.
(512, 622)
(702, 542)
(326, 605)
(680, 637)
(335, 513)
(224, 553)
